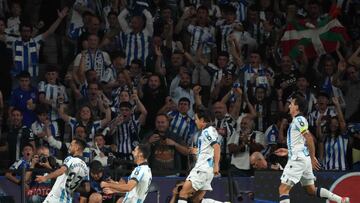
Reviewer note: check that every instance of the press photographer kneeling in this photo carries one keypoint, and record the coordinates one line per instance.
(41, 164)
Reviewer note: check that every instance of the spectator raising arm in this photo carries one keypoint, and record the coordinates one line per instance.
(62, 113)
(122, 19)
(61, 16)
(149, 26)
(139, 107)
(355, 58)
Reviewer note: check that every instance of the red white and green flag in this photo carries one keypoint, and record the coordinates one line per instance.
(317, 40)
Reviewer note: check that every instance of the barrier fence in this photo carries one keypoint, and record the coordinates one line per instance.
(264, 187)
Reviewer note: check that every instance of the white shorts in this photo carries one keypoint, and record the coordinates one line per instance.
(201, 179)
(51, 198)
(298, 170)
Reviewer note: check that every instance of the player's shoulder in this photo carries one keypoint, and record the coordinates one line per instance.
(210, 130)
(300, 119)
(68, 159)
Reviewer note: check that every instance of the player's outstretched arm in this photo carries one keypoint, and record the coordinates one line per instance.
(311, 146)
(119, 187)
(55, 174)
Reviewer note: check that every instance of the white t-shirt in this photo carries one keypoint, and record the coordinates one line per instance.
(142, 175)
(205, 157)
(65, 185)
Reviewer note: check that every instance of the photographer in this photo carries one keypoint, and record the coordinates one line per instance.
(41, 164)
(166, 148)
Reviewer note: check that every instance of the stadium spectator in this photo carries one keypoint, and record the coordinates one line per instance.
(94, 58)
(97, 175)
(26, 48)
(18, 136)
(333, 142)
(24, 98)
(51, 90)
(324, 109)
(258, 162)
(241, 145)
(23, 162)
(85, 118)
(137, 34)
(41, 162)
(225, 126)
(126, 128)
(166, 148)
(181, 123)
(153, 96)
(350, 88)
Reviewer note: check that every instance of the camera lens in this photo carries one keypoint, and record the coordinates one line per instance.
(43, 159)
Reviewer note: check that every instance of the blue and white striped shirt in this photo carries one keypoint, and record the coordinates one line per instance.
(182, 125)
(26, 55)
(127, 137)
(241, 9)
(335, 152)
(201, 35)
(91, 127)
(51, 93)
(136, 45)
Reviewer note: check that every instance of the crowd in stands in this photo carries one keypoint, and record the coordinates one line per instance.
(131, 72)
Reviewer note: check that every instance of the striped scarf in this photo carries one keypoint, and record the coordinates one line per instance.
(22, 53)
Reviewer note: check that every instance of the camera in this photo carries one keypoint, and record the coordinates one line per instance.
(236, 85)
(43, 159)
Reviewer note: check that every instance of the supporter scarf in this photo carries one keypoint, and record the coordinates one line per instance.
(21, 56)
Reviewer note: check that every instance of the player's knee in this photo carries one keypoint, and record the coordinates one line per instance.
(310, 190)
(183, 193)
(95, 197)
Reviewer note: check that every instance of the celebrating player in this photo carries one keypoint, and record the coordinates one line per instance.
(137, 186)
(69, 176)
(207, 164)
(301, 153)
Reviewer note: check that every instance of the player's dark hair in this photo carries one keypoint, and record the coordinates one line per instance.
(300, 101)
(80, 142)
(96, 167)
(203, 113)
(145, 150)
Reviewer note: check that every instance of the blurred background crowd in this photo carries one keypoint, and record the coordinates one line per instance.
(121, 72)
